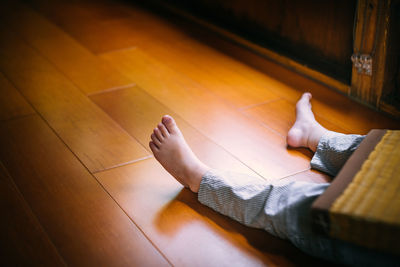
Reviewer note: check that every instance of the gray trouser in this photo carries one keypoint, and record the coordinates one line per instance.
(282, 208)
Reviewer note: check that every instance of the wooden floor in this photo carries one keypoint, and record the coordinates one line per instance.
(83, 83)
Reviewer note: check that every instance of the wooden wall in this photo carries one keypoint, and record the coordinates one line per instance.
(318, 34)
(377, 34)
(390, 99)
(314, 38)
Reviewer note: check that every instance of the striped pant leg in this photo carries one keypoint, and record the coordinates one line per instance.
(333, 150)
(282, 209)
(257, 203)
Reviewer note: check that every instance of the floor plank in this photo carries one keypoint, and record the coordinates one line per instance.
(187, 37)
(274, 80)
(139, 113)
(105, 25)
(86, 226)
(262, 150)
(23, 241)
(280, 116)
(12, 103)
(327, 103)
(97, 140)
(88, 72)
(163, 41)
(229, 85)
(233, 106)
(188, 233)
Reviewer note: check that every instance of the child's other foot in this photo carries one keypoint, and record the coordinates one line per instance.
(306, 131)
(171, 150)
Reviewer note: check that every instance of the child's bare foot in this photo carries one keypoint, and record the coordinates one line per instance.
(306, 131)
(171, 150)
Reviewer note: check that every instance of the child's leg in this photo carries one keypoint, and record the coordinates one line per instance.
(260, 204)
(251, 201)
(280, 208)
(331, 149)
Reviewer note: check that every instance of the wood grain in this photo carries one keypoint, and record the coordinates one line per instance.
(280, 116)
(97, 140)
(233, 107)
(321, 40)
(12, 103)
(194, 24)
(152, 31)
(241, 85)
(167, 43)
(139, 113)
(107, 25)
(84, 223)
(23, 241)
(125, 22)
(328, 104)
(88, 72)
(197, 61)
(260, 149)
(188, 233)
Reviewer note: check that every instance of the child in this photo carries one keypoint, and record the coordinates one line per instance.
(281, 208)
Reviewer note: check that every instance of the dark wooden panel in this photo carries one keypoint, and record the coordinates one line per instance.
(23, 242)
(391, 87)
(96, 139)
(377, 36)
(87, 227)
(316, 33)
(12, 103)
